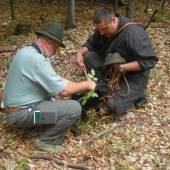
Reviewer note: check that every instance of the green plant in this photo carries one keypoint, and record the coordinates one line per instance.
(88, 95)
(92, 75)
(90, 122)
(160, 14)
(150, 99)
(13, 143)
(1, 85)
(29, 152)
(24, 163)
(142, 14)
(9, 166)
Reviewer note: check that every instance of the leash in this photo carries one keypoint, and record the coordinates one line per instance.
(114, 80)
(85, 72)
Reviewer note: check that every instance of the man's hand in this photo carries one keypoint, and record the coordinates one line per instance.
(117, 66)
(79, 60)
(92, 85)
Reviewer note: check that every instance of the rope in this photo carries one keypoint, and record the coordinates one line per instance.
(114, 80)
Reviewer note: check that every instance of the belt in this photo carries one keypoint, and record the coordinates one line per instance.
(9, 110)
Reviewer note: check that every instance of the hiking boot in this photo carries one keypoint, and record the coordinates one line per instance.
(142, 100)
(47, 147)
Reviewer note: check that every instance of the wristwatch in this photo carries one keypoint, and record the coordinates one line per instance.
(121, 67)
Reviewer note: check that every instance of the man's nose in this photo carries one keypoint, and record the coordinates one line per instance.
(101, 32)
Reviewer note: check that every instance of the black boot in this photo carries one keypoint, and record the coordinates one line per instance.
(120, 3)
(142, 100)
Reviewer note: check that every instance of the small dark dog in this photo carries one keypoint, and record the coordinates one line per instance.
(103, 90)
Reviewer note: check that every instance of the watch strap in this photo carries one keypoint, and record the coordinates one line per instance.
(121, 67)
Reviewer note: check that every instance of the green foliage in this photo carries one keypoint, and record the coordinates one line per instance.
(24, 163)
(29, 152)
(92, 75)
(150, 99)
(142, 14)
(88, 95)
(160, 14)
(89, 123)
(13, 143)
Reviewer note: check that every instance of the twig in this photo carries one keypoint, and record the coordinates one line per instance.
(54, 164)
(64, 163)
(167, 3)
(100, 134)
(5, 50)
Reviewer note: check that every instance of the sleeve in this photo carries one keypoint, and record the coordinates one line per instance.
(50, 80)
(142, 51)
(95, 42)
(47, 78)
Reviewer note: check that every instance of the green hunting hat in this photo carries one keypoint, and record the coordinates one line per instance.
(113, 58)
(53, 30)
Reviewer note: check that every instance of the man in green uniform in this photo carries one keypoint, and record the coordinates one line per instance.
(31, 81)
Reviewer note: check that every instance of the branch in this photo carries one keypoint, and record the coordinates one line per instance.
(6, 50)
(86, 142)
(64, 163)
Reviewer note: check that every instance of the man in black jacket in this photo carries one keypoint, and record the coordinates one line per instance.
(132, 43)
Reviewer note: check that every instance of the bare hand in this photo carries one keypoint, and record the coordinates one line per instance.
(117, 66)
(79, 60)
(92, 85)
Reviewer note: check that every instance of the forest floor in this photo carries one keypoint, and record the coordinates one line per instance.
(136, 140)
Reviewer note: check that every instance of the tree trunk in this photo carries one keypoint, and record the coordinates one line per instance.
(115, 5)
(12, 9)
(70, 15)
(146, 7)
(130, 9)
(163, 4)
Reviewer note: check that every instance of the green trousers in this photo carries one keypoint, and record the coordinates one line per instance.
(67, 111)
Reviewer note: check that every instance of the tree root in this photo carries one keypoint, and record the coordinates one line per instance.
(64, 163)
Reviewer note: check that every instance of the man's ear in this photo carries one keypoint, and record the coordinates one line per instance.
(113, 19)
(49, 43)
